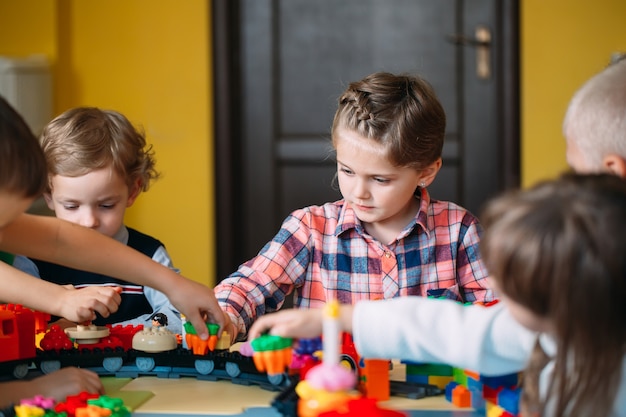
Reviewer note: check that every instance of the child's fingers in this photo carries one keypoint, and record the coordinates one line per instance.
(107, 300)
(261, 326)
(199, 325)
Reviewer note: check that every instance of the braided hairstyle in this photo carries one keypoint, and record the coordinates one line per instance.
(401, 112)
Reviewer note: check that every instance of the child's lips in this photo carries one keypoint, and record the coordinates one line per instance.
(363, 208)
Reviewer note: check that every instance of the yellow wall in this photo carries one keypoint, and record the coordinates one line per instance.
(564, 42)
(151, 61)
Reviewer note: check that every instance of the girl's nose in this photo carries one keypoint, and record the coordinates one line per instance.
(360, 189)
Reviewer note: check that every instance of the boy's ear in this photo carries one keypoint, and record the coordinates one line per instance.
(429, 173)
(133, 193)
(48, 197)
(615, 164)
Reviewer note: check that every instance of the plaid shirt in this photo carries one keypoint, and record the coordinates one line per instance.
(324, 253)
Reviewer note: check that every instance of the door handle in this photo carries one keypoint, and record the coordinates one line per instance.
(482, 43)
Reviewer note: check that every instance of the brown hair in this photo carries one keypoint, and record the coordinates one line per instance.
(22, 164)
(557, 249)
(84, 139)
(400, 112)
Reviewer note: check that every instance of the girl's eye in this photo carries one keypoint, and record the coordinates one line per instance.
(107, 206)
(70, 207)
(381, 180)
(346, 171)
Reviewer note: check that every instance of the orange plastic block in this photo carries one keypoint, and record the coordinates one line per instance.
(92, 411)
(272, 361)
(375, 379)
(471, 374)
(461, 396)
(199, 346)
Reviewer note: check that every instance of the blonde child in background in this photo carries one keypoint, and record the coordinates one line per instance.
(386, 238)
(23, 177)
(98, 164)
(555, 255)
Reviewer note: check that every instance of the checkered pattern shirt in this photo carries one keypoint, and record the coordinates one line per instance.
(324, 253)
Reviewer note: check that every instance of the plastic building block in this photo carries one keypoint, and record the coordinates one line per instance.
(155, 339)
(508, 380)
(493, 410)
(449, 388)
(56, 339)
(39, 401)
(115, 405)
(362, 407)
(439, 381)
(314, 401)
(25, 410)
(92, 411)
(125, 333)
(428, 369)
(461, 396)
(87, 334)
(272, 354)
(17, 332)
(199, 346)
(509, 399)
(374, 379)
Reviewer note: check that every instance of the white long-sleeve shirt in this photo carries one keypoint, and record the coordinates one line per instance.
(487, 340)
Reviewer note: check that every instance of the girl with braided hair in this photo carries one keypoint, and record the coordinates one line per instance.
(386, 238)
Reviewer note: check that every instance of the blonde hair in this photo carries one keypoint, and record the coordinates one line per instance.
(84, 139)
(596, 116)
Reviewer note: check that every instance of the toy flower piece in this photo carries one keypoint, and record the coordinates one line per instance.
(331, 377)
(313, 401)
(246, 349)
(27, 410)
(39, 401)
(271, 353)
(197, 345)
(115, 406)
(56, 340)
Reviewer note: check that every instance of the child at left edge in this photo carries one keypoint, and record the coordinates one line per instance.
(98, 164)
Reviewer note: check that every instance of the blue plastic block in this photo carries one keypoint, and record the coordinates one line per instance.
(508, 399)
(449, 388)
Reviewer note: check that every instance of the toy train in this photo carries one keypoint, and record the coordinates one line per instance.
(121, 351)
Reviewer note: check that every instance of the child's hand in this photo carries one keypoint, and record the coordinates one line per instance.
(80, 305)
(289, 323)
(199, 305)
(231, 328)
(65, 382)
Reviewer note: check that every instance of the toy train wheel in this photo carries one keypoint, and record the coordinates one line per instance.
(276, 379)
(112, 364)
(349, 362)
(48, 367)
(232, 369)
(204, 367)
(20, 371)
(145, 364)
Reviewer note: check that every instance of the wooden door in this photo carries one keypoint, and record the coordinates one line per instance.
(281, 64)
